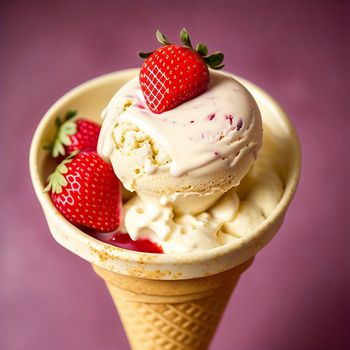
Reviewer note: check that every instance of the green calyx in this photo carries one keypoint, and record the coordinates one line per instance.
(214, 60)
(57, 180)
(64, 128)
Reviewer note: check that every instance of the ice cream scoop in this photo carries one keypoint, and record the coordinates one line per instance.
(182, 161)
(201, 148)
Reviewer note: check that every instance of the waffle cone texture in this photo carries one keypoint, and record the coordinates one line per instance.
(171, 315)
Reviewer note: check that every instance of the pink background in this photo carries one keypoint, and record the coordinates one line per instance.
(296, 295)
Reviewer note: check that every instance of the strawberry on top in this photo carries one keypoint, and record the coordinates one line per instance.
(175, 74)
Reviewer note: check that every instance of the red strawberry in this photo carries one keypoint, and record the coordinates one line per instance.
(72, 135)
(173, 74)
(86, 191)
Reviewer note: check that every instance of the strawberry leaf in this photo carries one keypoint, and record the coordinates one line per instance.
(145, 54)
(215, 59)
(202, 49)
(185, 38)
(57, 180)
(70, 114)
(161, 38)
(47, 146)
(57, 149)
(218, 67)
(64, 130)
(58, 122)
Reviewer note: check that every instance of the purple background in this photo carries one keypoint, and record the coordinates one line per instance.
(296, 295)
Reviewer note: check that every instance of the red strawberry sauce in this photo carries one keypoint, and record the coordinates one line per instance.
(123, 240)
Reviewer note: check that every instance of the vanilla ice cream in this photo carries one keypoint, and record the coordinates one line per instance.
(185, 165)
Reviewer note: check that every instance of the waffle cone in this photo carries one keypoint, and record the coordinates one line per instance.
(171, 315)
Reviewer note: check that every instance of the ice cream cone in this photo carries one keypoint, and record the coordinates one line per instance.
(182, 314)
(166, 301)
